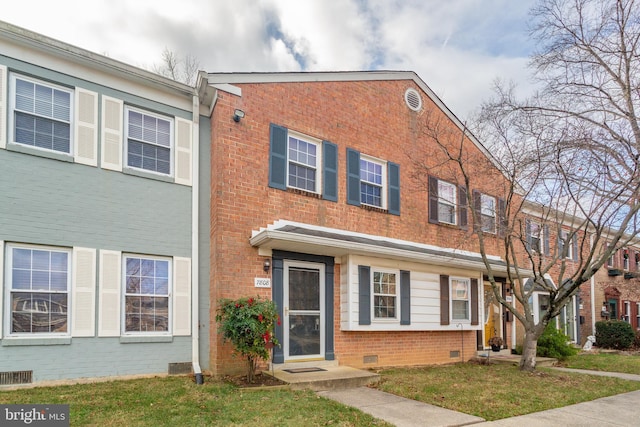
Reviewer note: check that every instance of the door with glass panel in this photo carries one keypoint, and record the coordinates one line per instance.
(303, 310)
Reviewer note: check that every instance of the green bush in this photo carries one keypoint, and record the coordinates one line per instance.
(614, 334)
(554, 343)
(249, 324)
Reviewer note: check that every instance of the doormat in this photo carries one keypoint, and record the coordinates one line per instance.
(303, 370)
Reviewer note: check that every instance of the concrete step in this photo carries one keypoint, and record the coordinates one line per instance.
(332, 376)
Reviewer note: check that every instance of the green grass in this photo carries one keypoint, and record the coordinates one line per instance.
(498, 391)
(177, 401)
(605, 362)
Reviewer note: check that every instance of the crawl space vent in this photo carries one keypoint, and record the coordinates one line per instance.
(413, 99)
(16, 377)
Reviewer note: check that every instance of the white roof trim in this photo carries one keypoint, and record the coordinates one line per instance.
(275, 237)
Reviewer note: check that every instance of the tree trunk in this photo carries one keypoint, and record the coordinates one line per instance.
(528, 360)
(251, 374)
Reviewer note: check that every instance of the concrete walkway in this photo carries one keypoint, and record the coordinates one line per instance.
(619, 410)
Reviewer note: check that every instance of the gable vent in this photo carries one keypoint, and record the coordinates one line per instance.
(16, 377)
(413, 99)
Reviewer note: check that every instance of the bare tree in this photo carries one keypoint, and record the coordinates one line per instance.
(181, 69)
(569, 157)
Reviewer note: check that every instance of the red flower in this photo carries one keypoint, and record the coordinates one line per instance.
(266, 336)
(250, 302)
(278, 320)
(260, 318)
(237, 305)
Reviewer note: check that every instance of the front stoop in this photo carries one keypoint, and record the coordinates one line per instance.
(333, 377)
(505, 357)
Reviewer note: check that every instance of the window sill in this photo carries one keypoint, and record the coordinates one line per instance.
(135, 339)
(23, 341)
(373, 208)
(27, 149)
(144, 174)
(303, 193)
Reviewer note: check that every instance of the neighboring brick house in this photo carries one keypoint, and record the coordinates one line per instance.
(96, 234)
(617, 287)
(313, 187)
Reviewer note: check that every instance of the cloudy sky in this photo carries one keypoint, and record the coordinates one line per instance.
(458, 47)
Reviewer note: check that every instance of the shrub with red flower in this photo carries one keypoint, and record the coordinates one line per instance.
(249, 324)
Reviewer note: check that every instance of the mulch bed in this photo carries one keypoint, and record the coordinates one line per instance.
(261, 380)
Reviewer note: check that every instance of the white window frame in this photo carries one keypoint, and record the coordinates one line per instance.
(539, 236)
(12, 108)
(562, 241)
(125, 294)
(534, 303)
(172, 143)
(318, 164)
(638, 315)
(625, 260)
(8, 290)
(454, 295)
(488, 212)
(447, 202)
(627, 311)
(395, 295)
(383, 187)
(610, 260)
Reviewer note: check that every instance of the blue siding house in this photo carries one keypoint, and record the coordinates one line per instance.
(98, 237)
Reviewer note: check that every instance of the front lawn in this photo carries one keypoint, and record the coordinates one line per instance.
(611, 362)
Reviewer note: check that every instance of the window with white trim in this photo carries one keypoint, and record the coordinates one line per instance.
(372, 182)
(41, 114)
(147, 282)
(564, 240)
(38, 281)
(303, 163)
(488, 213)
(638, 315)
(149, 140)
(385, 294)
(460, 299)
(627, 312)
(535, 237)
(625, 259)
(447, 200)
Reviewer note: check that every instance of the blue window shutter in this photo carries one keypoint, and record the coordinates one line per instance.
(463, 216)
(330, 166)
(394, 188)
(444, 299)
(527, 230)
(353, 177)
(364, 290)
(405, 297)
(574, 244)
(433, 200)
(474, 302)
(278, 157)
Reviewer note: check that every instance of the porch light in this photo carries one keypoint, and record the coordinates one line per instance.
(266, 266)
(237, 115)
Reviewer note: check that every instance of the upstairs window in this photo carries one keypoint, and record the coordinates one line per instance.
(41, 114)
(564, 241)
(447, 203)
(149, 141)
(488, 213)
(625, 259)
(537, 237)
(372, 181)
(303, 162)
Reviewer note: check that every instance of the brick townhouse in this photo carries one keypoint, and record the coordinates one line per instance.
(328, 186)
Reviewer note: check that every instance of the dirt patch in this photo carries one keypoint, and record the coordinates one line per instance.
(261, 380)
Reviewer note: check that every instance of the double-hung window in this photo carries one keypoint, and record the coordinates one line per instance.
(446, 202)
(38, 287)
(372, 179)
(41, 114)
(534, 236)
(625, 259)
(610, 260)
(488, 213)
(149, 141)
(385, 298)
(303, 163)
(146, 298)
(460, 299)
(564, 241)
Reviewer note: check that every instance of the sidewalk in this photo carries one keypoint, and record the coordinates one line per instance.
(618, 410)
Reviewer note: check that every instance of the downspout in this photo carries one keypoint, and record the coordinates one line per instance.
(593, 295)
(195, 241)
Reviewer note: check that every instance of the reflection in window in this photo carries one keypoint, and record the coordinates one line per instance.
(384, 295)
(146, 294)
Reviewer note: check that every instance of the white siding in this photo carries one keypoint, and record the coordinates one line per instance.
(109, 291)
(425, 295)
(112, 133)
(181, 296)
(3, 107)
(83, 292)
(184, 152)
(86, 127)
